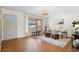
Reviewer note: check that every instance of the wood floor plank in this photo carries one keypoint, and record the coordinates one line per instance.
(32, 44)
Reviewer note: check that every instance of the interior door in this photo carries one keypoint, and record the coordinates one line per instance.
(9, 27)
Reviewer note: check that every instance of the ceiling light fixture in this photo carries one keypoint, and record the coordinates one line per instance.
(45, 12)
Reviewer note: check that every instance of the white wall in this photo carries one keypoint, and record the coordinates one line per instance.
(22, 21)
(20, 25)
(68, 19)
(26, 25)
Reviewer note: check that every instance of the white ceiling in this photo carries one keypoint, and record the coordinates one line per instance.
(51, 9)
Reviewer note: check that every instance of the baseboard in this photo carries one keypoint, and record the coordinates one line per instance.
(17, 38)
(9, 39)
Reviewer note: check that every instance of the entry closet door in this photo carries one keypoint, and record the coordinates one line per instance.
(9, 27)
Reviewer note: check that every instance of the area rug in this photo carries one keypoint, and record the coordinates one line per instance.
(60, 43)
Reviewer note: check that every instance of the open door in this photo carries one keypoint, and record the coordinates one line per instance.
(9, 27)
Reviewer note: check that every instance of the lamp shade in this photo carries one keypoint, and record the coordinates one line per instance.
(76, 25)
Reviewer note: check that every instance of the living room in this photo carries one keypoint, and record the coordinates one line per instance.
(39, 28)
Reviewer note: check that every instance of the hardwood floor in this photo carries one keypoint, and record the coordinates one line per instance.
(32, 45)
